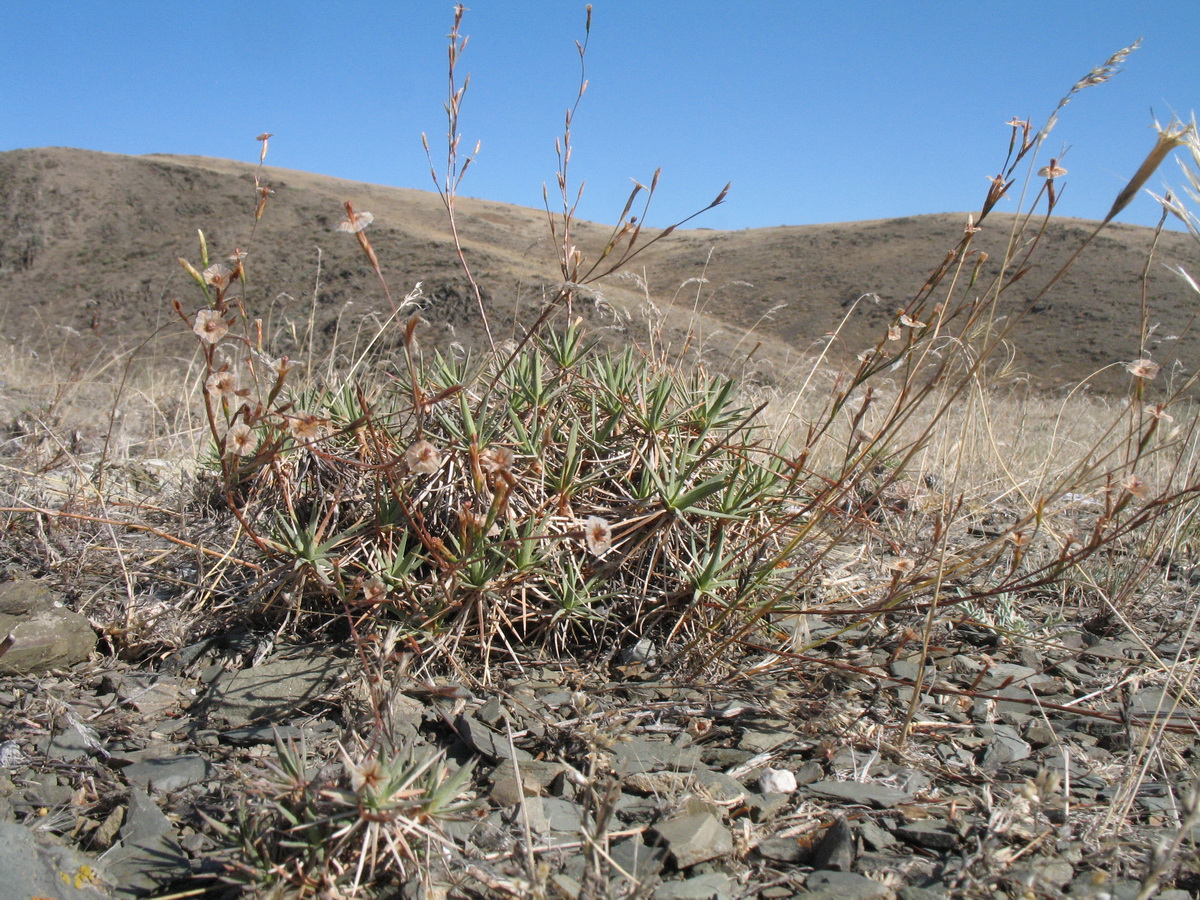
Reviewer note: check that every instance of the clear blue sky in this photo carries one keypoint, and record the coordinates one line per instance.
(816, 111)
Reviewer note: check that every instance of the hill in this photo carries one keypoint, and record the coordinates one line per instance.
(89, 245)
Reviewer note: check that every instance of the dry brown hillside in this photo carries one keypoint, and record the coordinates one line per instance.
(89, 245)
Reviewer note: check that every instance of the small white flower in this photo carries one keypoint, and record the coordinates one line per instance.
(597, 534)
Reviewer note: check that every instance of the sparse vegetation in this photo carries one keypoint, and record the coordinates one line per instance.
(549, 500)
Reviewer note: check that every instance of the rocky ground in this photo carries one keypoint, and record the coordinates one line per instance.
(1041, 768)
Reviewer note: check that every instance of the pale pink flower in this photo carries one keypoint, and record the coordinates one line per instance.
(597, 534)
(218, 275)
(305, 427)
(210, 326)
(1052, 171)
(374, 591)
(423, 458)
(497, 460)
(1159, 411)
(222, 383)
(240, 439)
(909, 322)
(1143, 368)
(971, 227)
(901, 565)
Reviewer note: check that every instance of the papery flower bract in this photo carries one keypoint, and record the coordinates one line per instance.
(210, 326)
(1143, 368)
(240, 439)
(277, 367)
(354, 221)
(218, 275)
(222, 383)
(1136, 485)
(423, 458)
(306, 427)
(910, 322)
(901, 564)
(1052, 171)
(597, 534)
(496, 460)
(374, 591)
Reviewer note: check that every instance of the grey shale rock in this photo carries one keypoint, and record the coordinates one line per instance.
(166, 774)
(836, 848)
(844, 886)
(643, 755)
(693, 839)
(487, 742)
(46, 635)
(710, 886)
(637, 858)
(273, 692)
(933, 834)
(865, 794)
(147, 856)
(33, 868)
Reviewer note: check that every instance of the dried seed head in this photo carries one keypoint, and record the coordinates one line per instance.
(597, 534)
(423, 458)
(210, 326)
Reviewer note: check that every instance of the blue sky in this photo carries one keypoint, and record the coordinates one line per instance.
(816, 111)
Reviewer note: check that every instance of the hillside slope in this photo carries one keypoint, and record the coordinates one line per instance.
(89, 245)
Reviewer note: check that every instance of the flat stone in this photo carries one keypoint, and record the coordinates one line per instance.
(694, 838)
(147, 856)
(150, 695)
(33, 867)
(46, 635)
(636, 858)
(719, 787)
(249, 735)
(760, 740)
(275, 691)
(784, 850)
(1004, 746)
(644, 755)
(879, 796)
(164, 775)
(827, 885)
(873, 836)
(933, 834)
(710, 886)
(487, 742)
(835, 850)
